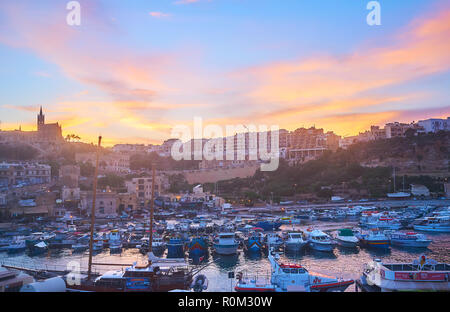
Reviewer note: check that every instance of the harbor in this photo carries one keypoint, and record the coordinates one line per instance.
(198, 243)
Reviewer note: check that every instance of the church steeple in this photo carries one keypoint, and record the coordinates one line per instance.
(40, 119)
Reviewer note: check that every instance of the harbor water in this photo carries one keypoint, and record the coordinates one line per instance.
(342, 262)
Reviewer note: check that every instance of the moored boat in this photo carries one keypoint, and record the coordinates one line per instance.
(346, 238)
(291, 278)
(421, 275)
(409, 239)
(319, 240)
(226, 244)
(295, 241)
(374, 239)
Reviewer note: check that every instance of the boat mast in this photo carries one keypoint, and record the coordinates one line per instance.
(394, 179)
(151, 209)
(94, 197)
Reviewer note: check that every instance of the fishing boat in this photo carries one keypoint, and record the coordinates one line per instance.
(115, 241)
(254, 242)
(273, 240)
(433, 224)
(290, 278)
(268, 225)
(97, 244)
(319, 240)
(158, 245)
(346, 238)
(198, 247)
(374, 239)
(17, 246)
(421, 275)
(225, 244)
(80, 246)
(158, 275)
(409, 239)
(175, 248)
(380, 222)
(294, 241)
(38, 249)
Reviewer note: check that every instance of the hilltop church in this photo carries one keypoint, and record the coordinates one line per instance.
(46, 133)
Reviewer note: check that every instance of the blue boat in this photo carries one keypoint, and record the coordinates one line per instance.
(198, 248)
(254, 243)
(175, 248)
(269, 225)
(38, 249)
(16, 247)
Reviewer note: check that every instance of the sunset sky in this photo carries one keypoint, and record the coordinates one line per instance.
(135, 69)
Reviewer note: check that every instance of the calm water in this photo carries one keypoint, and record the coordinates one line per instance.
(342, 262)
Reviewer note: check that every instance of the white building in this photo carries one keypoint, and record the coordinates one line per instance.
(435, 125)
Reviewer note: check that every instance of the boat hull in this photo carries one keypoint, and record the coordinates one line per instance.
(346, 243)
(226, 249)
(411, 243)
(428, 228)
(381, 244)
(321, 247)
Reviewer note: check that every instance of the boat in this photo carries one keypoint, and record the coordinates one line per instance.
(290, 278)
(97, 244)
(295, 241)
(175, 248)
(198, 247)
(158, 275)
(225, 244)
(17, 246)
(273, 240)
(158, 245)
(433, 224)
(254, 242)
(409, 239)
(80, 246)
(421, 275)
(374, 238)
(115, 242)
(319, 240)
(38, 249)
(346, 238)
(380, 222)
(269, 225)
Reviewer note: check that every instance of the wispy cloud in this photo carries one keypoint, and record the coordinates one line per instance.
(188, 1)
(159, 14)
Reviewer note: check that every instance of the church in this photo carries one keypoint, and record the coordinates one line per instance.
(46, 133)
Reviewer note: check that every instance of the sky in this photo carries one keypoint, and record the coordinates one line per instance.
(133, 70)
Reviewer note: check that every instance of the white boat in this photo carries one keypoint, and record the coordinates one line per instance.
(433, 224)
(295, 241)
(290, 278)
(226, 244)
(319, 240)
(115, 241)
(273, 241)
(409, 239)
(381, 222)
(346, 238)
(421, 275)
